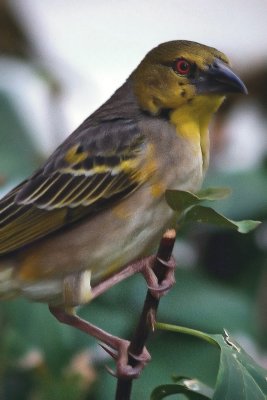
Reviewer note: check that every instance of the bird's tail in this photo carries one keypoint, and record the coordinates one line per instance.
(71, 290)
(8, 284)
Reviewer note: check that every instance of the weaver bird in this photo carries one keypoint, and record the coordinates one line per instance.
(97, 204)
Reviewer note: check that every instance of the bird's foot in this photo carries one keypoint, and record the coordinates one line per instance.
(113, 345)
(159, 288)
(121, 355)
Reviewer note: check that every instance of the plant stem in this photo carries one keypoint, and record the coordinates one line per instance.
(187, 331)
(147, 319)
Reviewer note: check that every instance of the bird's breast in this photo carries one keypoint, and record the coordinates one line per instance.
(105, 242)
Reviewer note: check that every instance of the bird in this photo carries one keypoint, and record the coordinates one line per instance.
(97, 204)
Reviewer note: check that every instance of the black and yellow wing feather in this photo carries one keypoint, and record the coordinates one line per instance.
(96, 166)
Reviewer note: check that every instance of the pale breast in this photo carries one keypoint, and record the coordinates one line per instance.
(111, 239)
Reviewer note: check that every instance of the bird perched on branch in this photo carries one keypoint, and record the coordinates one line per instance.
(97, 204)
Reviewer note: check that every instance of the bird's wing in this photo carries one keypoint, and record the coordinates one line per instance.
(94, 167)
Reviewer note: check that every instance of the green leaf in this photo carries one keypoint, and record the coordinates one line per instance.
(195, 385)
(191, 388)
(249, 196)
(214, 193)
(188, 206)
(239, 376)
(208, 215)
(180, 200)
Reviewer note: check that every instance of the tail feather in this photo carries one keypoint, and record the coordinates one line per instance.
(42, 291)
(8, 285)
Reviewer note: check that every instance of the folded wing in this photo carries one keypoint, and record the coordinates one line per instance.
(95, 167)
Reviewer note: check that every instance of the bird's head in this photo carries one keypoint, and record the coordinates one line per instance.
(183, 73)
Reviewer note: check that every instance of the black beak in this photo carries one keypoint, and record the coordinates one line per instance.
(220, 79)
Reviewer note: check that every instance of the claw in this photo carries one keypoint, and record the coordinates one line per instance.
(169, 264)
(109, 351)
(128, 372)
(156, 288)
(125, 371)
(143, 358)
(111, 371)
(160, 289)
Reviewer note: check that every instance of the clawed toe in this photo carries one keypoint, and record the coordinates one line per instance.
(162, 288)
(123, 369)
(108, 350)
(159, 288)
(171, 264)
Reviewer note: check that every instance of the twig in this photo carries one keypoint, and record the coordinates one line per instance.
(148, 315)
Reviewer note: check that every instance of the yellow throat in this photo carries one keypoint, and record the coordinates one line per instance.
(192, 121)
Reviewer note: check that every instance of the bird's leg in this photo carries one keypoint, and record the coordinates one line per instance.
(115, 346)
(159, 275)
(157, 287)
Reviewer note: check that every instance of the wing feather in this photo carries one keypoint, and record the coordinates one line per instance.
(77, 180)
(29, 228)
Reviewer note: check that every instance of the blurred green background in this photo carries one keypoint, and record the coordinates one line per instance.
(50, 80)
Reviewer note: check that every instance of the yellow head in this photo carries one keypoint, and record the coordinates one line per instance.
(179, 73)
(188, 81)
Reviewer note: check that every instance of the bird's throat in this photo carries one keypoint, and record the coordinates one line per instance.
(192, 120)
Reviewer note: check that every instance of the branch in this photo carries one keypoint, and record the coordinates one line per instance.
(148, 315)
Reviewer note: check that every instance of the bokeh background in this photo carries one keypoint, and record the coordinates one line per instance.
(59, 60)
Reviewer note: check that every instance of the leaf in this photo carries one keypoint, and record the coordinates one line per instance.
(249, 196)
(239, 377)
(191, 388)
(180, 200)
(208, 215)
(195, 385)
(188, 206)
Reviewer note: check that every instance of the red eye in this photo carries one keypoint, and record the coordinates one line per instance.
(182, 66)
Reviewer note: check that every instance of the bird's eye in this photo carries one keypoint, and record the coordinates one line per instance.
(182, 66)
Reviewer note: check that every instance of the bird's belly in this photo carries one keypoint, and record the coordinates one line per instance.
(102, 245)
